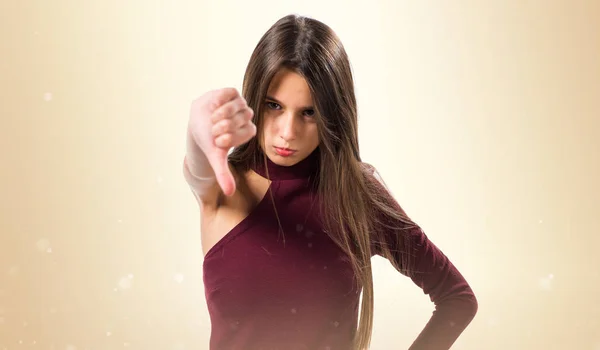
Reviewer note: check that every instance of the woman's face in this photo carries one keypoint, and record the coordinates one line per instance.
(289, 128)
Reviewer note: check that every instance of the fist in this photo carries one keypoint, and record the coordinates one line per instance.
(219, 120)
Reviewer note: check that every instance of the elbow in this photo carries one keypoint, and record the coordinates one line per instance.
(470, 306)
(473, 307)
(463, 307)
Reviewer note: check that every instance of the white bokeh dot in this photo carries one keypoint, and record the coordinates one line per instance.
(545, 283)
(178, 277)
(126, 282)
(43, 244)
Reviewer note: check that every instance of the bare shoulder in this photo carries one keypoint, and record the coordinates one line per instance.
(248, 187)
(216, 221)
(212, 196)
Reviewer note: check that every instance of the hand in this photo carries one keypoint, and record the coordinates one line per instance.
(219, 120)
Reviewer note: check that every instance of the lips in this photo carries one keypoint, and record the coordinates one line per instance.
(284, 152)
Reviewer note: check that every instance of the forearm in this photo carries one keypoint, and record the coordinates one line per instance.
(446, 325)
(197, 169)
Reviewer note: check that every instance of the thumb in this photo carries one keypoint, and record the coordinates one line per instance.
(220, 165)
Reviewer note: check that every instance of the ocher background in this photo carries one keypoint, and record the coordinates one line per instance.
(482, 117)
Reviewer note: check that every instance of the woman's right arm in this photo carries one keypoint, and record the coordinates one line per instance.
(219, 120)
(199, 174)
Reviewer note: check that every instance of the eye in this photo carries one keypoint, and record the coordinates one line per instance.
(309, 113)
(272, 105)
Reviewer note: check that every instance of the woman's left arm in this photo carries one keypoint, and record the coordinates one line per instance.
(430, 269)
(454, 300)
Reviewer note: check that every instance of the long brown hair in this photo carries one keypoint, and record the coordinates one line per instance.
(357, 207)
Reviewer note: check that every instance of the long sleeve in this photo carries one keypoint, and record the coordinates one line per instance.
(454, 300)
(431, 270)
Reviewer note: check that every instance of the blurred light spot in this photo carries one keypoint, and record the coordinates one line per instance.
(299, 227)
(178, 277)
(159, 179)
(108, 334)
(541, 221)
(43, 244)
(126, 282)
(294, 311)
(545, 283)
(71, 347)
(48, 96)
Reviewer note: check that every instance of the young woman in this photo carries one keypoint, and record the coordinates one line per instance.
(291, 217)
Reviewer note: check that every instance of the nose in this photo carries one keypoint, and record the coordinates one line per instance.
(288, 127)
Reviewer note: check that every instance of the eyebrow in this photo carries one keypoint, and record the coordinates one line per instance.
(275, 100)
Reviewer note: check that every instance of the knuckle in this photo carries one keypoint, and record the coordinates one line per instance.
(223, 126)
(225, 140)
(230, 91)
(218, 115)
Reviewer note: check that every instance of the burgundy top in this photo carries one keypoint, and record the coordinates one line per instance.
(296, 290)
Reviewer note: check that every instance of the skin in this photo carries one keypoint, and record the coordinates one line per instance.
(289, 119)
(288, 123)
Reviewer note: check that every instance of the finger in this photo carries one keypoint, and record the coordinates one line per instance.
(241, 136)
(219, 163)
(232, 124)
(246, 132)
(228, 109)
(222, 96)
(248, 113)
(224, 141)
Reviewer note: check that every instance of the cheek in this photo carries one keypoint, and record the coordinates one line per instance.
(267, 130)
